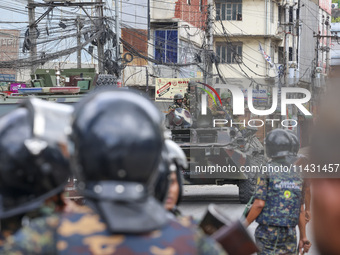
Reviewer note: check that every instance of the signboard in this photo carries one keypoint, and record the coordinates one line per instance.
(167, 88)
(7, 77)
(260, 96)
(9, 50)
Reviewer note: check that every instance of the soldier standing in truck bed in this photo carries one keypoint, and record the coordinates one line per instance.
(178, 103)
(190, 98)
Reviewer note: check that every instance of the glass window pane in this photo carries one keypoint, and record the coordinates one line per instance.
(218, 11)
(229, 57)
(218, 51)
(240, 50)
(223, 11)
(160, 45)
(171, 46)
(223, 54)
(234, 11)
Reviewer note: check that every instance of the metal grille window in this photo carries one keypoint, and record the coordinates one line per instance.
(229, 10)
(166, 44)
(229, 53)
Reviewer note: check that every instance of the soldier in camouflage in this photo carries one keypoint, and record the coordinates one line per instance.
(190, 96)
(278, 205)
(116, 158)
(178, 103)
(224, 111)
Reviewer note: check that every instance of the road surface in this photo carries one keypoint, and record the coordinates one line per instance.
(197, 197)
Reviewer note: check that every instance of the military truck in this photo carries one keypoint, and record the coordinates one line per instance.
(211, 148)
(57, 85)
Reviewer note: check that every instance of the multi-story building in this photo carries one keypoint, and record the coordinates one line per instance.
(266, 44)
(168, 40)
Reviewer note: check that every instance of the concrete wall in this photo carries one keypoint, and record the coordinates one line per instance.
(251, 57)
(255, 20)
(335, 46)
(308, 14)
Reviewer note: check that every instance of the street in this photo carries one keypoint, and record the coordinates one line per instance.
(197, 197)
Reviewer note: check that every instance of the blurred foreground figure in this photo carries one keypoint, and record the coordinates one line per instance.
(300, 160)
(34, 166)
(325, 151)
(118, 147)
(178, 162)
(278, 205)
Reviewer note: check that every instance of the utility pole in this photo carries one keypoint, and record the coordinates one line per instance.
(286, 44)
(322, 42)
(100, 46)
(294, 32)
(210, 44)
(328, 49)
(32, 34)
(117, 37)
(79, 27)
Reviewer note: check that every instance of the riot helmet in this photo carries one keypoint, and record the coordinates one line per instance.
(226, 97)
(178, 162)
(163, 181)
(191, 84)
(33, 155)
(118, 143)
(278, 143)
(295, 142)
(178, 97)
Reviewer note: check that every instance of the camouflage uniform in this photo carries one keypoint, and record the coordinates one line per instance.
(283, 195)
(227, 109)
(11, 225)
(85, 233)
(189, 100)
(175, 106)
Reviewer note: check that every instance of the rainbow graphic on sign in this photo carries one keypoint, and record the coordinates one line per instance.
(209, 93)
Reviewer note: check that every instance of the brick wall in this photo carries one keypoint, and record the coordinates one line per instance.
(192, 13)
(138, 39)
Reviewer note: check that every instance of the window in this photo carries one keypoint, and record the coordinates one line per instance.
(189, 2)
(166, 46)
(291, 10)
(271, 11)
(272, 52)
(281, 56)
(281, 14)
(201, 5)
(229, 10)
(229, 53)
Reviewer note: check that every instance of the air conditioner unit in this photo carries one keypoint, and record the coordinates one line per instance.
(318, 69)
(292, 64)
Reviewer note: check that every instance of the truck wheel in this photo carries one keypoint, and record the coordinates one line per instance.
(246, 189)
